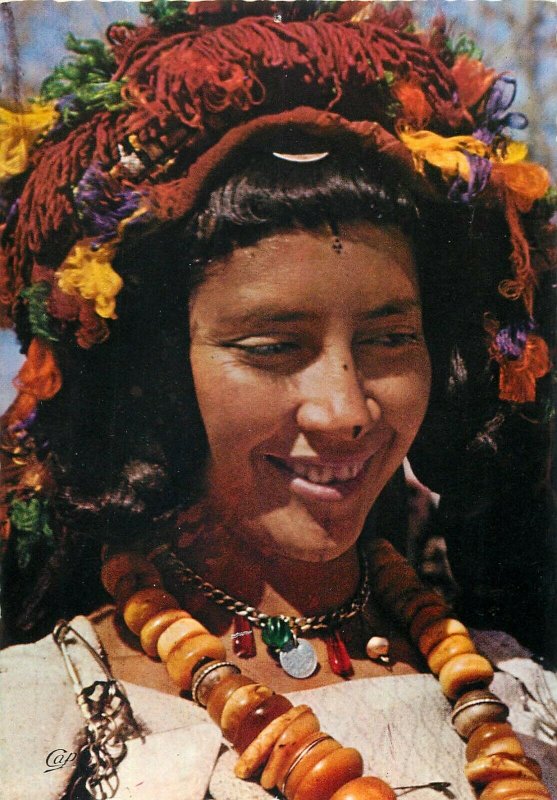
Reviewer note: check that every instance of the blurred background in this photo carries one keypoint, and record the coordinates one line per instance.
(516, 36)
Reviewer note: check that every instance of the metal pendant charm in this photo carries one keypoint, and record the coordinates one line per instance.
(300, 660)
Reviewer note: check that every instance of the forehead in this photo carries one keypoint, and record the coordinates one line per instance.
(361, 265)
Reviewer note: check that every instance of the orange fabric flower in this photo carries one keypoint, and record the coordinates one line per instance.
(417, 110)
(39, 376)
(527, 182)
(517, 378)
(472, 79)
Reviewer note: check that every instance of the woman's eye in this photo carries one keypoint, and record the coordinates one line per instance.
(393, 340)
(266, 348)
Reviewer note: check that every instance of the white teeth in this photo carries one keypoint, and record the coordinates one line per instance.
(318, 474)
(315, 475)
(344, 474)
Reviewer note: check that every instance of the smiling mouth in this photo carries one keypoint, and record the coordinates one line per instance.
(321, 474)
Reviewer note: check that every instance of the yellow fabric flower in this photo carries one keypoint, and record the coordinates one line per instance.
(18, 131)
(526, 181)
(512, 153)
(446, 153)
(89, 273)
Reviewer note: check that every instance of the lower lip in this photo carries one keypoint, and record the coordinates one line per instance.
(330, 492)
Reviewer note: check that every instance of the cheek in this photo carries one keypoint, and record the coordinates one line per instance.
(238, 409)
(404, 396)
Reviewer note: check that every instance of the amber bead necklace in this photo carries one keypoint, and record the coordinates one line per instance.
(282, 744)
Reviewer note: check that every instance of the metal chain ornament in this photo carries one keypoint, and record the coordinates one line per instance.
(280, 633)
(109, 721)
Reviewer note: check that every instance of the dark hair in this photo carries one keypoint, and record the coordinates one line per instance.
(124, 433)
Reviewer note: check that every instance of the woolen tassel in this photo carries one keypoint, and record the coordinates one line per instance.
(39, 376)
(517, 377)
(523, 285)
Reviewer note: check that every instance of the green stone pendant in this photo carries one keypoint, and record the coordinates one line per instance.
(276, 633)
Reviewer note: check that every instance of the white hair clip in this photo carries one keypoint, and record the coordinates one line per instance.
(301, 157)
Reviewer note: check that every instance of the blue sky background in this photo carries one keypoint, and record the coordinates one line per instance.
(515, 35)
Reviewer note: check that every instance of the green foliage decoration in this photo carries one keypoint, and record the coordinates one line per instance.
(464, 46)
(85, 81)
(36, 297)
(31, 519)
(166, 13)
(175, 15)
(549, 201)
(328, 7)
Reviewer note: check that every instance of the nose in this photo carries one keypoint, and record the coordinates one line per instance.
(334, 400)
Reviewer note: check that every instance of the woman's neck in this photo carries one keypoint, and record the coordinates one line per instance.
(275, 585)
(271, 583)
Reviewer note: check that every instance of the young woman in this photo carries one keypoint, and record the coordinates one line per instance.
(246, 292)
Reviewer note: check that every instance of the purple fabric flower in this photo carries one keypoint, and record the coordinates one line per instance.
(65, 106)
(13, 213)
(496, 117)
(103, 203)
(463, 191)
(9, 212)
(511, 340)
(23, 424)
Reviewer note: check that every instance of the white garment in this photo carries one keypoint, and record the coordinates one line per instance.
(39, 715)
(400, 724)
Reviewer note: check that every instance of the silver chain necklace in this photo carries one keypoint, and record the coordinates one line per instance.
(297, 656)
(166, 560)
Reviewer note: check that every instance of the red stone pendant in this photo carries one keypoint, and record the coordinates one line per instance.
(243, 641)
(339, 659)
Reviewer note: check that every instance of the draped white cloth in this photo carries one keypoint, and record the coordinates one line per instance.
(400, 724)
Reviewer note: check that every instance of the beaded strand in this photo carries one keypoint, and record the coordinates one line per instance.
(283, 742)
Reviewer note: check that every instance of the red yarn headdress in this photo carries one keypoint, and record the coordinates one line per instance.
(186, 99)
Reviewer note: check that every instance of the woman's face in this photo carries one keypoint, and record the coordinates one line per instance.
(312, 378)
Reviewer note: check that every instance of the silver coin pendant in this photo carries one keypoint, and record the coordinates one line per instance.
(300, 661)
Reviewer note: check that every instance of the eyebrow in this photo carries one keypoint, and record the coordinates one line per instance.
(267, 314)
(392, 308)
(273, 314)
